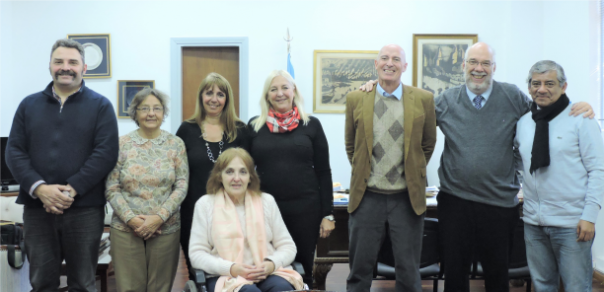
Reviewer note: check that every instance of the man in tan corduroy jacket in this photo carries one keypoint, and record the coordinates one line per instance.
(390, 136)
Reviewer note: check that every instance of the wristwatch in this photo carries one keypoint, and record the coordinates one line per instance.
(330, 218)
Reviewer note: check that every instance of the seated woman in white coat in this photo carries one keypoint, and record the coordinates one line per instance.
(238, 235)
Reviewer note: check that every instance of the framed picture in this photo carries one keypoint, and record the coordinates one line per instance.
(97, 54)
(336, 73)
(126, 89)
(437, 60)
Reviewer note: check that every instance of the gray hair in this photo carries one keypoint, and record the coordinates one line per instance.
(544, 66)
(67, 43)
(140, 96)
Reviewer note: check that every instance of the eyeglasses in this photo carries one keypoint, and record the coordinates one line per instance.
(144, 110)
(474, 63)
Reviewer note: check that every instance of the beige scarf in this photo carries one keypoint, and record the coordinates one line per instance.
(229, 239)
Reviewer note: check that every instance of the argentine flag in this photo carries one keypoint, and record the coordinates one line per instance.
(290, 67)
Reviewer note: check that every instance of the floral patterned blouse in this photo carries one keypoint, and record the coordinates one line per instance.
(150, 178)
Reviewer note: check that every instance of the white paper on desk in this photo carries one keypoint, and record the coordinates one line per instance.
(431, 201)
(432, 189)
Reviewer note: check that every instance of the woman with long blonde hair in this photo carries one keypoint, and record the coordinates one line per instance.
(213, 128)
(292, 157)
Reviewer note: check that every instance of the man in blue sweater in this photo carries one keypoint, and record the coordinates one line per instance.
(63, 143)
(563, 163)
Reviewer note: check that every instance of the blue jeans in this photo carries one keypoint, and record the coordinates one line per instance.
(272, 283)
(553, 252)
(73, 236)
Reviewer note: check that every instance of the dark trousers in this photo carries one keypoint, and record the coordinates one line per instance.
(73, 236)
(467, 228)
(367, 229)
(304, 230)
(186, 221)
(271, 284)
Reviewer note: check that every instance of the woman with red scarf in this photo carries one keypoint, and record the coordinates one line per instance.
(292, 158)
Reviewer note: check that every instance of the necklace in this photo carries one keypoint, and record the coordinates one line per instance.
(220, 145)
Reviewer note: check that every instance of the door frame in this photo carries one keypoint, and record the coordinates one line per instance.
(176, 45)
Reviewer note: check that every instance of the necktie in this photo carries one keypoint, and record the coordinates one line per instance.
(478, 102)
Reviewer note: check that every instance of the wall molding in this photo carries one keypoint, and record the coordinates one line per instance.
(176, 45)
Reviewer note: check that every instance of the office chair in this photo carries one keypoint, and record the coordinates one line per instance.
(429, 268)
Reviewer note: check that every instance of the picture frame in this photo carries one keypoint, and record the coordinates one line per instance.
(438, 59)
(97, 53)
(336, 73)
(126, 89)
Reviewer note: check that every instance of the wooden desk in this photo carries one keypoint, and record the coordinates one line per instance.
(9, 194)
(334, 249)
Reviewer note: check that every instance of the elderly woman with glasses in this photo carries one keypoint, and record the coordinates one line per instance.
(145, 189)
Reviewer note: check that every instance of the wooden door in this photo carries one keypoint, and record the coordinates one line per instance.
(197, 63)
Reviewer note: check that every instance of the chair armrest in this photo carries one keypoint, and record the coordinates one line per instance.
(298, 268)
(200, 280)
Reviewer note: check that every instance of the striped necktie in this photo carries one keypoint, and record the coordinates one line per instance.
(478, 101)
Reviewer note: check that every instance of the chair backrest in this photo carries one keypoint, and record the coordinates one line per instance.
(430, 246)
(430, 243)
(518, 247)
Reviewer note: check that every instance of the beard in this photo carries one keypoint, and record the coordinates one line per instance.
(478, 88)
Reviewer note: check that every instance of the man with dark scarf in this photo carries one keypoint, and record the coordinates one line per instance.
(563, 163)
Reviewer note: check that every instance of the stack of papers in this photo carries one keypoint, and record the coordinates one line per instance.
(340, 199)
(337, 186)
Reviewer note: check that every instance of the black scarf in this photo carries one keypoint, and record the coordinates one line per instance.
(540, 152)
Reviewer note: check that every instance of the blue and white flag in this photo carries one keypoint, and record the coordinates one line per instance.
(290, 67)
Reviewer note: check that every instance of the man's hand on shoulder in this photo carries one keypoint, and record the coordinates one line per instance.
(580, 108)
(368, 86)
(53, 198)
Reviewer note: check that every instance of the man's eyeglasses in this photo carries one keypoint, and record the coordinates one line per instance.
(485, 64)
(144, 110)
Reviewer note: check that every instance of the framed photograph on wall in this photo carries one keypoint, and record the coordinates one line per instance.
(126, 89)
(336, 73)
(438, 59)
(97, 54)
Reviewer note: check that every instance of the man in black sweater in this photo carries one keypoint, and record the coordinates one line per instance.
(63, 143)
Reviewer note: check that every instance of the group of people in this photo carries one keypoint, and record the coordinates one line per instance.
(246, 200)
(231, 194)
(491, 131)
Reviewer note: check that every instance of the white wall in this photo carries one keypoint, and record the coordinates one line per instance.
(595, 79)
(522, 32)
(7, 105)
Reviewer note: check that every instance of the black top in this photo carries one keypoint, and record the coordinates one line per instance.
(294, 167)
(200, 164)
(75, 144)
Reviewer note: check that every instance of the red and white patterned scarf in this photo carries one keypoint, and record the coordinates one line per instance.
(281, 123)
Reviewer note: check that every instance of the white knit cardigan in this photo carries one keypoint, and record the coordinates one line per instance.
(281, 249)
